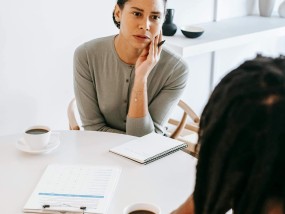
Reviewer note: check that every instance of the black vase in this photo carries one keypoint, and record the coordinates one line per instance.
(168, 27)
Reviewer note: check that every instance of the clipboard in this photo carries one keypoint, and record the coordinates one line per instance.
(74, 189)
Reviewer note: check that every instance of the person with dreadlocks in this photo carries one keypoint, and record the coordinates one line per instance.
(241, 163)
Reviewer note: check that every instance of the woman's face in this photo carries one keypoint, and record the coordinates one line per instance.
(140, 21)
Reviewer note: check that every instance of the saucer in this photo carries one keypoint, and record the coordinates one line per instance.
(52, 144)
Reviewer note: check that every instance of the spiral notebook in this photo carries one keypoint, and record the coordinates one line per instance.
(74, 189)
(148, 148)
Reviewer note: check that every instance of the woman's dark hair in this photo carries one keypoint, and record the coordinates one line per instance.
(121, 4)
(241, 163)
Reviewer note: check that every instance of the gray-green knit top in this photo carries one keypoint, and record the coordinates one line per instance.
(103, 83)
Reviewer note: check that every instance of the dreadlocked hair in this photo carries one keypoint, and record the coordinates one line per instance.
(241, 163)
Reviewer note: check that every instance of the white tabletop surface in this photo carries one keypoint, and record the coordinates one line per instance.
(166, 182)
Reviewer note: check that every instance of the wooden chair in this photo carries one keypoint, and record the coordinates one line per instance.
(71, 114)
(179, 130)
(183, 130)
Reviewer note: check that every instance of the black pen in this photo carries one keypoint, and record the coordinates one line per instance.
(160, 43)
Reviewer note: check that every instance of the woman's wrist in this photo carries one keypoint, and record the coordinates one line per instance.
(140, 83)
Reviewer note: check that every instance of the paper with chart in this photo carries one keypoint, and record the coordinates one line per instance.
(73, 188)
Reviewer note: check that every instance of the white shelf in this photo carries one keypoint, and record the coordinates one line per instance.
(227, 33)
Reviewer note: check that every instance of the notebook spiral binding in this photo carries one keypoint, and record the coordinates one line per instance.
(163, 154)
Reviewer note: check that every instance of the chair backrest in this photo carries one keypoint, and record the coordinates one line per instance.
(182, 124)
(186, 132)
(73, 123)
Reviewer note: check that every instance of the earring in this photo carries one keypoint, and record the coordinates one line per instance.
(118, 24)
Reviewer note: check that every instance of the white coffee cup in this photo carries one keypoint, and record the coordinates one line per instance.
(37, 137)
(142, 206)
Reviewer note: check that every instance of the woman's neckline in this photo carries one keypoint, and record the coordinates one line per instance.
(117, 51)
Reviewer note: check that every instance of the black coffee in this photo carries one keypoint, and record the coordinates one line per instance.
(36, 131)
(141, 212)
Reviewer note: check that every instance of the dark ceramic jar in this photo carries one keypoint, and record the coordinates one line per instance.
(168, 27)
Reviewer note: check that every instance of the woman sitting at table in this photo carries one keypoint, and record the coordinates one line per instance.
(241, 163)
(127, 83)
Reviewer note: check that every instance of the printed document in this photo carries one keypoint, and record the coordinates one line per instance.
(74, 188)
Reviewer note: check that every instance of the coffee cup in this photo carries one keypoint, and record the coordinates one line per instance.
(37, 137)
(142, 208)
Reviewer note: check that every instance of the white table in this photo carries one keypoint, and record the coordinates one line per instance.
(166, 182)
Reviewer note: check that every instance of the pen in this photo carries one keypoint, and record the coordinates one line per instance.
(160, 43)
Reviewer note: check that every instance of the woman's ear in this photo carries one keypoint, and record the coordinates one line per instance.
(117, 13)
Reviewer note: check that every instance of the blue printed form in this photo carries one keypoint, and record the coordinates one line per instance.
(74, 188)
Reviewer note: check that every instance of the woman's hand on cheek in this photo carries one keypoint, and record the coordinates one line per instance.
(148, 58)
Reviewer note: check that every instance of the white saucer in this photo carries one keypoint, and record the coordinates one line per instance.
(53, 144)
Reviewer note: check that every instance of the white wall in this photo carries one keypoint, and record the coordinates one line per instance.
(37, 41)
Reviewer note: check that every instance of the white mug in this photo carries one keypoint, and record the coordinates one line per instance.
(37, 137)
(142, 206)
